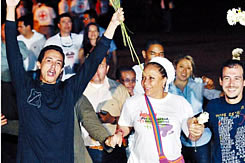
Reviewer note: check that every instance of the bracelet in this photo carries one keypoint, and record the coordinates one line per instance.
(120, 130)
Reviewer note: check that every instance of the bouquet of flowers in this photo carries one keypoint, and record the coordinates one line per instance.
(236, 16)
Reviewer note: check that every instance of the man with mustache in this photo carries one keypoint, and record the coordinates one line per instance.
(227, 115)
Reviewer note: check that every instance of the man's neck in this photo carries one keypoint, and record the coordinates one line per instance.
(233, 101)
(65, 34)
(29, 35)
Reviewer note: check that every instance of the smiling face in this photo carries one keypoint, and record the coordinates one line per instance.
(232, 82)
(128, 79)
(184, 70)
(93, 32)
(51, 66)
(154, 50)
(153, 81)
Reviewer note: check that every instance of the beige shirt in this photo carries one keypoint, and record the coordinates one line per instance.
(109, 97)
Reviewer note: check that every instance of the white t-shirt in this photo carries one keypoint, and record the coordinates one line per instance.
(44, 15)
(71, 51)
(35, 43)
(172, 113)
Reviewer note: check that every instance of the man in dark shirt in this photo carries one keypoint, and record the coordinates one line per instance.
(227, 115)
(46, 105)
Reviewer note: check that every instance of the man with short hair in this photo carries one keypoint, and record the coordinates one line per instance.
(107, 97)
(227, 115)
(69, 42)
(45, 104)
(127, 76)
(33, 40)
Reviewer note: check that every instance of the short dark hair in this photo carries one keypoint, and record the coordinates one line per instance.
(51, 47)
(64, 15)
(231, 63)
(92, 14)
(27, 19)
(123, 69)
(152, 42)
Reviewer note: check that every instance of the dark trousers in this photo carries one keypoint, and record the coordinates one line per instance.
(118, 155)
(202, 154)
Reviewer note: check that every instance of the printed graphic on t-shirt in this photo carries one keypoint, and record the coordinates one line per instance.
(34, 98)
(231, 127)
(69, 62)
(42, 15)
(164, 125)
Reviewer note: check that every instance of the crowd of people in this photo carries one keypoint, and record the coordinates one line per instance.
(63, 107)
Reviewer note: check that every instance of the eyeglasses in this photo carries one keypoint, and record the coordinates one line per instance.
(128, 80)
(66, 41)
(86, 18)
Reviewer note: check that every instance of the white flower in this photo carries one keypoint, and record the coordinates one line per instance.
(241, 17)
(203, 118)
(236, 53)
(236, 15)
(232, 16)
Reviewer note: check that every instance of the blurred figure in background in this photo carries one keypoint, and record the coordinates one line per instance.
(126, 76)
(70, 44)
(90, 16)
(33, 40)
(43, 18)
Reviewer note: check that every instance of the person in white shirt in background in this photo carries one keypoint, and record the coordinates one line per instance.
(107, 97)
(69, 42)
(33, 40)
(43, 18)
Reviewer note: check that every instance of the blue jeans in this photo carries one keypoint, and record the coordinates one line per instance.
(118, 155)
(202, 154)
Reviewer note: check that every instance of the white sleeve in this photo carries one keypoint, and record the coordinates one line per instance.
(187, 113)
(126, 115)
(211, 93)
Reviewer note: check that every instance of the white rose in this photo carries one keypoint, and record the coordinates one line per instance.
(203, 118)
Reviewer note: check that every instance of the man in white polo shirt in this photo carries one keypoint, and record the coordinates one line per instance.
(70, 44)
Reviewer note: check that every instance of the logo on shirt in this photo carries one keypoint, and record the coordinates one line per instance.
(34, 98)
(164, 125)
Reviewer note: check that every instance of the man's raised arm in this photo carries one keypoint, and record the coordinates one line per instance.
(11, 5)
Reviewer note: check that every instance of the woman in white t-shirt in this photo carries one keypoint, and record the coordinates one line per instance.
(173, 114)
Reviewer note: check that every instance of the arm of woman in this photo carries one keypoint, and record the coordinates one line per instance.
(195, 129)
(117, 138)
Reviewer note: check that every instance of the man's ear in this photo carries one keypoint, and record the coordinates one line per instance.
(144, 54)
(38, 65)
(58, 25)
(220, 81)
